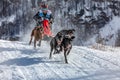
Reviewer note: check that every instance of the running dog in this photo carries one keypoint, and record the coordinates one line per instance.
(66, 46)
(55, 43)
(37, 33)
(59, 40)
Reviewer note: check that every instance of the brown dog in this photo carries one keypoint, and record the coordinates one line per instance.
(37, 33)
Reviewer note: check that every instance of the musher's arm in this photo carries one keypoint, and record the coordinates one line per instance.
(36, 16)
(51, 19)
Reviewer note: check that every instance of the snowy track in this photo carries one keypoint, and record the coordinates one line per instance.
(19, 61)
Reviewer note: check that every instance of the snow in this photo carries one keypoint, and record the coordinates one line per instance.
(23, 62)
(110, 30)
(91, 41)
(8, 19)
(0, 23)
(11, 18)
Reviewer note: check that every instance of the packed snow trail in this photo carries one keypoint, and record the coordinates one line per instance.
(19, 61)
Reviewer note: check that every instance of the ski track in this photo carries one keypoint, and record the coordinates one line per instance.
(23, 62)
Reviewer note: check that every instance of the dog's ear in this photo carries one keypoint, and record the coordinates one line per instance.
(73, 30)
(59, 33)
(69, 31)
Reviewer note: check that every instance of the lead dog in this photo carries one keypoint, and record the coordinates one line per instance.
(56, 41)
(69, 32)
(61, 36)
(66, 46)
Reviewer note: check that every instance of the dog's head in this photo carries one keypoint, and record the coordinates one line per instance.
(59, 36)
(70, 38)
(40, 29)
(71, 32)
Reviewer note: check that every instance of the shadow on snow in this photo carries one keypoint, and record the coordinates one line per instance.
(25, 61)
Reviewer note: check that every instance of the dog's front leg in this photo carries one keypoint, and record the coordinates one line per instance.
(34, 43)
(51, 53)
(65, 55)
(61, 48)
(55, 50)
(51, 50)
(69, 50)
(39, 44)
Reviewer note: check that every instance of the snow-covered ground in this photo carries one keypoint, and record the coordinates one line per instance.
(19, 61)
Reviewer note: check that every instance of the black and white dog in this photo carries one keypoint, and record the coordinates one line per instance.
(62, 41)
